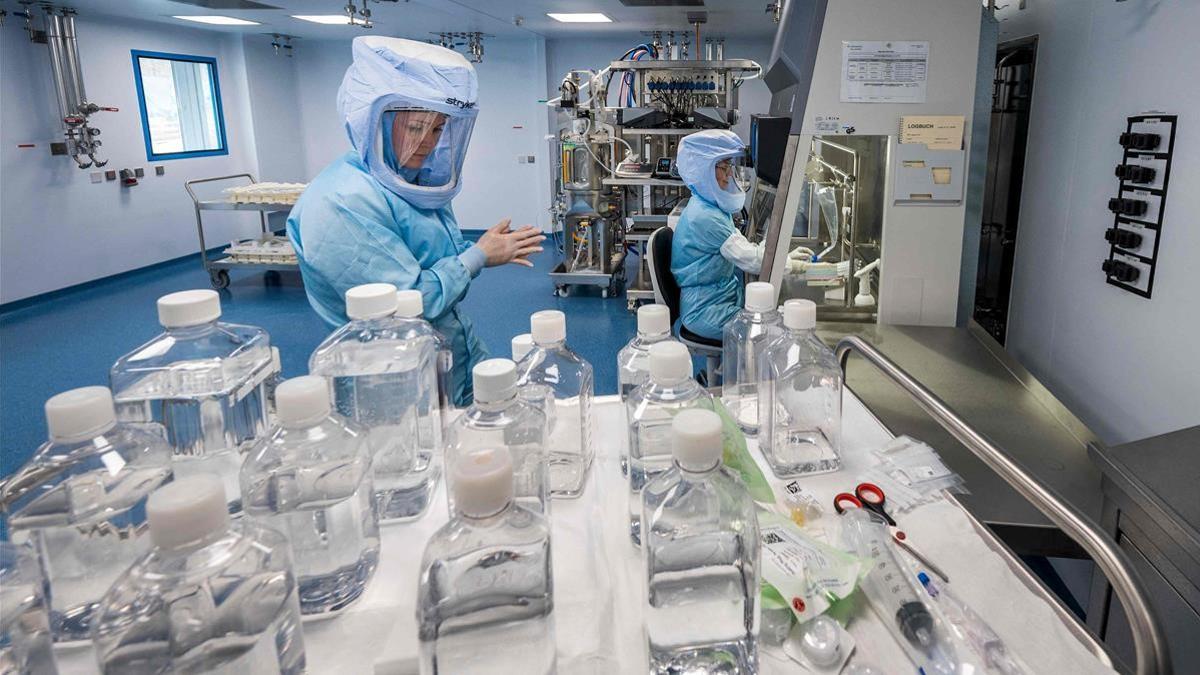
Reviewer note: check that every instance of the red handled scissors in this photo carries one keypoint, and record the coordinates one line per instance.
(867, 496)
(871, 497)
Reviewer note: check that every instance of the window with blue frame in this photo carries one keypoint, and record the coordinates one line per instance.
(180, 101)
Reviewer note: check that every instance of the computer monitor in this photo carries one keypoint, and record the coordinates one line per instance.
(768, 139)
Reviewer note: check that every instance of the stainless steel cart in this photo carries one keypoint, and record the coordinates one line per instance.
(219, 266)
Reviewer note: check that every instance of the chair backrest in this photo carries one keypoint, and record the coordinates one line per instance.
(666, 290)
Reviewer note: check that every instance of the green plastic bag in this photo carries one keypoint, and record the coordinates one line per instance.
(737, 457)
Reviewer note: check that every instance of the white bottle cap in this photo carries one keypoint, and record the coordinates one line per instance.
(760, 296)
(186, 511)
(697, 441)
(800, 314)
(654, 320)
(189, 308)
(494, 380)
(80, 414)
(670, 361)
(410, 304)
(483, 482)
(302, 401)
(371, 301)
(521, 345)
(548, 326)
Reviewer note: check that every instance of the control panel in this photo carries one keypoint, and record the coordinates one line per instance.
(1138, 207)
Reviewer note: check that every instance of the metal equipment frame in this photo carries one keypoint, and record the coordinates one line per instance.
(218, 267)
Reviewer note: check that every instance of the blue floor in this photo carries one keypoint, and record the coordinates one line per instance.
(71, 339)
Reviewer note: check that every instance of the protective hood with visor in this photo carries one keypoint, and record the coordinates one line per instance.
(409, 109)
(697, 160)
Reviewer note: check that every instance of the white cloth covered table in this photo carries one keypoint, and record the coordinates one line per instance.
(598, 579)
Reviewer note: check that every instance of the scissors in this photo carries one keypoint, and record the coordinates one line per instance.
(871, 497)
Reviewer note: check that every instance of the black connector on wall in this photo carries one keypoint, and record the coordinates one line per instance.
(1127, 207)
(1135, 173)
(1120, 271)
(1136, 141)
(1122, 238)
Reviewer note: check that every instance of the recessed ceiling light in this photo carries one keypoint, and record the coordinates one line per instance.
(579, 17)
(329, 19)
(218, 20)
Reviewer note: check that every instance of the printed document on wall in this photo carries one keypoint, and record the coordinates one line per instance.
(892, 71)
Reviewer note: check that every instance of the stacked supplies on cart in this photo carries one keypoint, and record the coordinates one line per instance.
(265, 193)
(273, 250)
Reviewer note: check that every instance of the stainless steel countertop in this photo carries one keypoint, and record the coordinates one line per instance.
(972, 373)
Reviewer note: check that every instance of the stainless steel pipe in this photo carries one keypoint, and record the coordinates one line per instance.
(70, 48)
(54, 31)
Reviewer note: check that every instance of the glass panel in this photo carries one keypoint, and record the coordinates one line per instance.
(181, 105)
(839, 220)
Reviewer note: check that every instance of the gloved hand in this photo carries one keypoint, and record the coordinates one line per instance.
(801, 253)
(799, 259)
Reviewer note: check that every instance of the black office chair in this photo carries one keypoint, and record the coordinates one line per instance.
(666, 292)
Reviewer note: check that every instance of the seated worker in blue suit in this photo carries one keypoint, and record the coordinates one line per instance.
(381, 212)
(707, 250)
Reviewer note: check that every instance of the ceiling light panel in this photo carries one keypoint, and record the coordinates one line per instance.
(218, 20)
(579, 17)
(328, 19)
(226, 4)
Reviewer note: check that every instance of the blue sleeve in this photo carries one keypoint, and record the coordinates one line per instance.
(354, 243)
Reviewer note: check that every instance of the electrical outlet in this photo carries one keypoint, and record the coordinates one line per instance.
(110, 175)
(530, 159)
(97, 176)
(139, 172)
(160, 170)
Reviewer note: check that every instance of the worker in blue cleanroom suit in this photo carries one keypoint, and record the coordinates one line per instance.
(707, 250)
(381, 212)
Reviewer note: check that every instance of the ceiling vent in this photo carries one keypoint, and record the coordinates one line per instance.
(663, 3)
(227, 4)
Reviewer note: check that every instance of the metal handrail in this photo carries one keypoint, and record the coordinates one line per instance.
(1152, 656)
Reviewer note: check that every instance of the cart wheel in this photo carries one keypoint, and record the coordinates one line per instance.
(219, 278)
(560, 291)
(271, 277)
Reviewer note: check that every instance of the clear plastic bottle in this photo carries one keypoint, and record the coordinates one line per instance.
(801, 398)
(701, 549)
(485, 600)
(552, 363)
(26, 646)
(80, 502)
(499, 418)
(650, 410)
(204, 381)
(210, 597)
(633, 361)
(383, 366)
(310, 479)
(538, 395)
(745, 339)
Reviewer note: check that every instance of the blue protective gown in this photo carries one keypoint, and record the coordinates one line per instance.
(348, 229)
(710, 288)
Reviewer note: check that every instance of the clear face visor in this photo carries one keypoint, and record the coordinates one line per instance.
(734, 174)
(422, 147)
